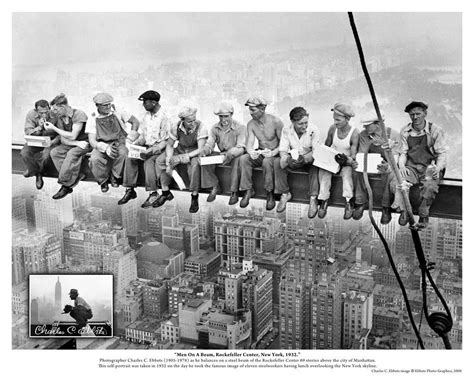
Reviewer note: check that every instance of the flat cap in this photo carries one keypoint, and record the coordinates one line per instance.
(343, 109)
(73, 291)
(416, 104)
(223, 109)
(255, 101)
(370, 118)
(187, 112)
(102, 98)
(149, 95)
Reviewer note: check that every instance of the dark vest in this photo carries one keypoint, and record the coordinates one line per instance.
(109, 129)
(187, 142)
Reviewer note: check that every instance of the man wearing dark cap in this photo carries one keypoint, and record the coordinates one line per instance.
(68, 156)
(371, 142)
(266, 129)
(230, 137)
(107, 136)
(191, 136)
(36, 159)
(423, 158)
(343, 138)
(153, 134)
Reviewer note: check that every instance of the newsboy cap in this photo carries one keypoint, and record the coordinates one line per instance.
(223, 109)
(102, 98)
(255, 101)
(343, 109)
(149, 95)
(370, 118)
(73, 291)
(416, 104)
(187, 112)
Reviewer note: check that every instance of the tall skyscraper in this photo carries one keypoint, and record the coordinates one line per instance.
(57, 295)
(125, 215)
(120, 261)
(257, 297)
(19, 220)
(358, 311)
(53, 215)
(326, 313)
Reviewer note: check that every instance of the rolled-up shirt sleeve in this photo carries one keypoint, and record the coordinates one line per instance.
(202, 132)
(284, 142)
(173, 133)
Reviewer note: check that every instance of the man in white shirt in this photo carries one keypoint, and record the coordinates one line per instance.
(296, 152)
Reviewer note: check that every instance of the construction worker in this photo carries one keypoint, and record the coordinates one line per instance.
(423, 158)
(296, 152)
(230, 137)
(153, 134)
(68, 155)
(191, 136)
(371, 141)
(36, 159)
(266, 129)
(343, 138)
(107, 136)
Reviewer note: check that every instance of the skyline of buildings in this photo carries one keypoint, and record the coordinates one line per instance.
(254, 282)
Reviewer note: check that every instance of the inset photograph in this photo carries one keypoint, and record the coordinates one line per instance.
(65, 306)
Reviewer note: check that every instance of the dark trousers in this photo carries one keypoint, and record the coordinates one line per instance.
(35, 159)
(428, 190)
(68, 161)
(209, 178)
(102, 165)
(81, 314)
(361, 196)
(273, 174)
(154, 172)
(312, 178)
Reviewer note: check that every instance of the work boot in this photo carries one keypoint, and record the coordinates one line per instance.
(323, 208)
(358, 211)
(234, 198)
(349, 209)
(194, 204)
(403, 219)
(104, 187)
(39, 181)
(313, 207)
(27, 173)
(151, 199)
(114, 182)
(163, 198)
(423, 222)
(215, 191)
(270, 200)
(386, 216)
(285, 198)
(246, 199)
(129, 195)
(63, 192)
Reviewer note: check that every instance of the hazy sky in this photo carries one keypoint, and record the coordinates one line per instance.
(48, 38)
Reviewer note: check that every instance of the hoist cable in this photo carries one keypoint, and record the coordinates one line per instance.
(440, 322)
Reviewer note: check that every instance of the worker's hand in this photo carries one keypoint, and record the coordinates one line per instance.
(82, 144)
(146, 154)
(403, 171)
(353, 163)
(48, 126)
(228, 156)
(254, 154)
(383, 168)
(267, 153)
(341, 158)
